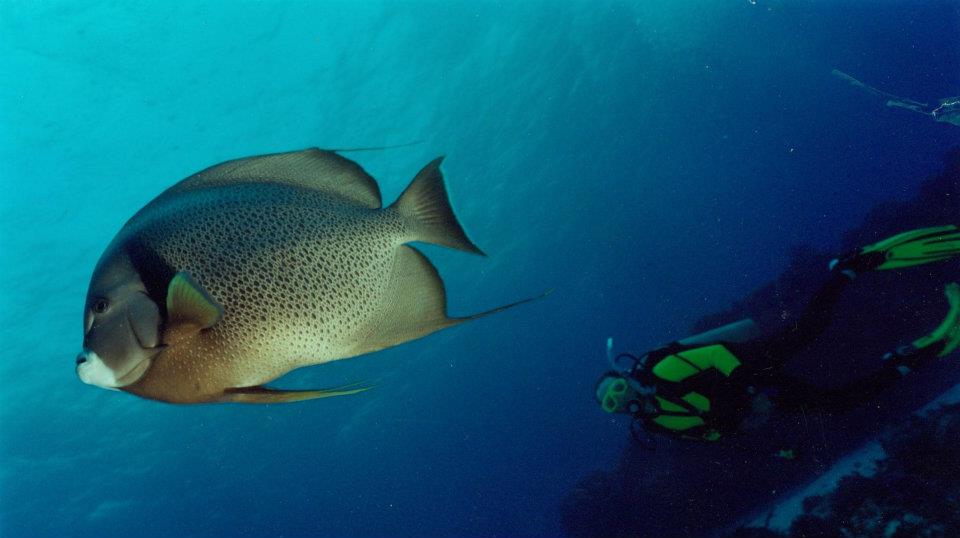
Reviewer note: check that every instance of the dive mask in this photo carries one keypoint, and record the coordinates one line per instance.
(615, 397)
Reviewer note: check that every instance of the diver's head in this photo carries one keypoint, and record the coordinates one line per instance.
(615, 394)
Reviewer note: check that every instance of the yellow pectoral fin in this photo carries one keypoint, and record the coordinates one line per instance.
(189, 309)
(264, 395)
(189, 304)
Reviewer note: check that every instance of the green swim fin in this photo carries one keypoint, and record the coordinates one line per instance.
(948, 333)
(916, 247)
(926, 245)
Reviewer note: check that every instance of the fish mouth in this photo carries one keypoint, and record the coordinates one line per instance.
(93, 371)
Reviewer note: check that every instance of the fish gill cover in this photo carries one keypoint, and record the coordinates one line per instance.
(651, 161)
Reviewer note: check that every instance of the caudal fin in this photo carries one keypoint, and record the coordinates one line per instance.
(426, 208)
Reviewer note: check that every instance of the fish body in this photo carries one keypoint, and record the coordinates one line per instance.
(259, 266)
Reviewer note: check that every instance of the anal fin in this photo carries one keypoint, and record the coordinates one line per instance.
(265, 395)
(414, 305)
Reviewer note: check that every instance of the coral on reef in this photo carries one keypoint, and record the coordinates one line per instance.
(914, 492)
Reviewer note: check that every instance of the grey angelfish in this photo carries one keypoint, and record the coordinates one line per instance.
(254, 267)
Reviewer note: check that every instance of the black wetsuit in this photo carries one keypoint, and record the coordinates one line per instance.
(761, 368)
(764, 360)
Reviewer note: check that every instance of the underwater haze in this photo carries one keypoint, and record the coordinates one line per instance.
(651, 162)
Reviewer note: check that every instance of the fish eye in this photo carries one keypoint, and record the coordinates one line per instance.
(100, 306)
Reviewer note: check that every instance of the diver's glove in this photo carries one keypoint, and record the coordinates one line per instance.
(916, 247)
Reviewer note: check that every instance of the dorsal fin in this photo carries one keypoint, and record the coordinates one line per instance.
(311, 168)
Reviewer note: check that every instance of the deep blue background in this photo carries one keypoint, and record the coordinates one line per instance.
(651, 161)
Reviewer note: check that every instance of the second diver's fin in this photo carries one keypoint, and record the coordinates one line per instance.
(264, 395)
(948, 332)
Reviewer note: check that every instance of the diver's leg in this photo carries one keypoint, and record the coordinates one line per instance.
(792, 394)
(908, 249)
(795, 394)
(813, 321)
(763, 358)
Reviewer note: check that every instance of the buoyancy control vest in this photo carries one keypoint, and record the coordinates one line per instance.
(695, 396)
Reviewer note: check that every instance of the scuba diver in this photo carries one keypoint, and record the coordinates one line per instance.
(715, 384)
(946, 111)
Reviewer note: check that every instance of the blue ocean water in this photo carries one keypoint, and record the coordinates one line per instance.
(651, 162)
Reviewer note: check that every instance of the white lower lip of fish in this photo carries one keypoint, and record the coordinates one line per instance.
(94, 372)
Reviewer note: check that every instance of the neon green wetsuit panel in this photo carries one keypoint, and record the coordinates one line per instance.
(697, 400)
(684, 364)
(680, 366)
(715, 356)
(700, 402)
(669, 406)
(676, 423)
(672, 368)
